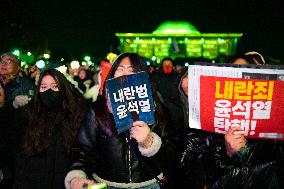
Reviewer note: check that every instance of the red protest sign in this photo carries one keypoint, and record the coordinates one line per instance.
(105, 66)
(255, 105)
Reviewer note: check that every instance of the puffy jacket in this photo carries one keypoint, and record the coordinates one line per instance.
(258, 165)
(114, 157)
(20, 85)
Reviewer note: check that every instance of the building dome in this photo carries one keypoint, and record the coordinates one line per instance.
(176, 27)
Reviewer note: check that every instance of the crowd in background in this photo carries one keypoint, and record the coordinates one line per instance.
(57, 131)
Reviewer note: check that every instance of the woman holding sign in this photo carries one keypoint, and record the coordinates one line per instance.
(129, 159)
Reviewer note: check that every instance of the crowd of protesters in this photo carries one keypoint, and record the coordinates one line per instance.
(57, 131)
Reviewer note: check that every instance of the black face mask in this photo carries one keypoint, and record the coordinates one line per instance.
(51, 99)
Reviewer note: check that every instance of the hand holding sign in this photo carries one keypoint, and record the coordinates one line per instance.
(141, 133)
(131, 100)
(234, 140)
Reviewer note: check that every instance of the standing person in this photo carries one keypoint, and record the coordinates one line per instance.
(251, 57)
(165, 83)
(15, 82)
(212, 160)
(132, 159)
(49, 124)
(84, 79)
(16, 91)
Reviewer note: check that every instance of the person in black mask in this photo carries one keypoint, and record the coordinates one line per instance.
(165, 82)
(48, 126)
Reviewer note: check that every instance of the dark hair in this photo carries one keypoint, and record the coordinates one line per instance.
(135, 61)
(138, 65)
(73, 108)
(164, 59)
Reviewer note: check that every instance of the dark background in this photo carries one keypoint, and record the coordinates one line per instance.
(76, 28)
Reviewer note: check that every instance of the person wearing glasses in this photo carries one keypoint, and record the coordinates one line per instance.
(15, 91)
(15, 83)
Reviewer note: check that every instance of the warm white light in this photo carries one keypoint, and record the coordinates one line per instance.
(40, 64)
(75, 64)
(62, 69)
(46, 56)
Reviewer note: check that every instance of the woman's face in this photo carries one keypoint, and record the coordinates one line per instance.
(48, 82)
(82, 74)
(124, 68)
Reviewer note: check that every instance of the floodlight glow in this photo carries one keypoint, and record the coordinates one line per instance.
(16, 52)
(186, 64)
(29, 53)
(46, 56)
(75, 64)
(62, 69)
(40, 64)
(90, 63)
(148, 63)
(62, 59)
(154, 58)
(22, 64)
(87, 58)
(174, 27)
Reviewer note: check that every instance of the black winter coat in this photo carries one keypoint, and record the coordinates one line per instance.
(48, 168)
(112, 156)
(259, 165)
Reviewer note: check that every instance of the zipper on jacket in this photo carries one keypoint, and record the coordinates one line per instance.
(129, 157)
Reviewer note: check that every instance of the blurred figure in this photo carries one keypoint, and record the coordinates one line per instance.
(84, 79)
(165, 83)
(251, 57)
(92, 92)
(47, 127)
(132, 159)
(33, 73)
(16, 91)
(179, 68)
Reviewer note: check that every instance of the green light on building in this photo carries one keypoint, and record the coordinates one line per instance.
(173, 27)
(179, 39)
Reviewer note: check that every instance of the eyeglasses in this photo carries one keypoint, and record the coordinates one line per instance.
(6, 62)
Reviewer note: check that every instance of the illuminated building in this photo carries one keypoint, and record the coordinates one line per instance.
(179, 39)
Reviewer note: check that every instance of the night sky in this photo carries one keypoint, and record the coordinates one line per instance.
(89, 27)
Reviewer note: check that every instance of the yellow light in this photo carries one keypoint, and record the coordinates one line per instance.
(111, 57)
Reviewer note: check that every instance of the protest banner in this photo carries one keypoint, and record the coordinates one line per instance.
(223, 97)
(131, 100)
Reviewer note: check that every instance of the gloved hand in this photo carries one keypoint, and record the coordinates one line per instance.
(87, 83)
(21, 100)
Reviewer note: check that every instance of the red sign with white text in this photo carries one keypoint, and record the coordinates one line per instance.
(255, 105)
